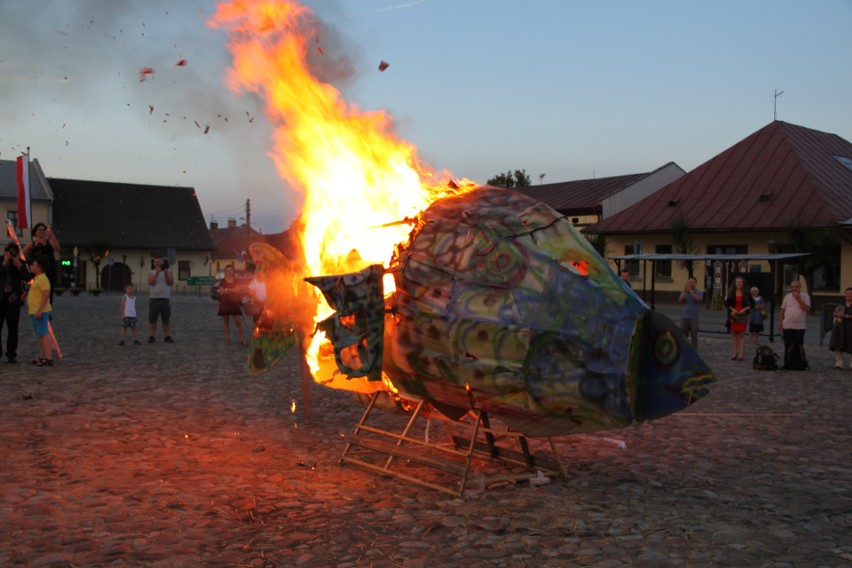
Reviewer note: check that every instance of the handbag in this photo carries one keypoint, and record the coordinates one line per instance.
(764, 314)
(253, 308)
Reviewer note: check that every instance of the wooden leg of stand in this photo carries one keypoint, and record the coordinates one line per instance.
(306, 382)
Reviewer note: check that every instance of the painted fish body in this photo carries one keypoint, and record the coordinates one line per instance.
(501, 304)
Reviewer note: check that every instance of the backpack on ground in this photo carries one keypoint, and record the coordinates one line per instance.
(765, 359)
(796, 360)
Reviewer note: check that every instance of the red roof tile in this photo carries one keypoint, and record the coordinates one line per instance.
(780, 174)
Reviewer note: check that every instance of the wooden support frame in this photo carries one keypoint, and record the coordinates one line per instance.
(388, 453)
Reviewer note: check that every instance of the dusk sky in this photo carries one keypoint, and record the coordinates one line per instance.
(564, 88)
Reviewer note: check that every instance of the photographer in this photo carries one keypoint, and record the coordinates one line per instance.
(13, 274)
(160, 280)
(44, 245)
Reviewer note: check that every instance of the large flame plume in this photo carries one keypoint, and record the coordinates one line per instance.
(357, 177)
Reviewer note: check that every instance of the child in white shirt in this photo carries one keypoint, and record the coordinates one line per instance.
(128, 314)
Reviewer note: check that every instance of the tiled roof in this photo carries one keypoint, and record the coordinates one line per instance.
(230, 242)
(579, 195)
(288, 243)
(221, 234)
(779, 175)
(128, 215)
(39, 190)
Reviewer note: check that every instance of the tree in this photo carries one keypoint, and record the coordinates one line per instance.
(98, 251)
(518, 178)
(823, 244)
(684, 242)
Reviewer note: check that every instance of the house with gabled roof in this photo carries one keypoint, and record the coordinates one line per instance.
(231, 244)
(41, 198)
(135, 223)
(747, 200)
(587, 201)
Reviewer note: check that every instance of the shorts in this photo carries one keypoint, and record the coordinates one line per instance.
(755, 328)
(129, 322)
(159, 307)
(40, 325)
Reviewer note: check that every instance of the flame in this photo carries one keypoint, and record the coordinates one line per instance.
(357, 177)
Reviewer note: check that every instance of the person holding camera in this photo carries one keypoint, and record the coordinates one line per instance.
(160, 280)
(691, 298)
(13, 274)
(44, 245)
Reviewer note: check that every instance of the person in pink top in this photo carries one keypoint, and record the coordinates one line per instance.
(794, 313)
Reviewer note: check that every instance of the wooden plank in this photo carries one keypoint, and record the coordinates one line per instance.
(417, 455)
(510, 456)
(409, 478)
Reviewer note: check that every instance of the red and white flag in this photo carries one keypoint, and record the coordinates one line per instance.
(24, 192)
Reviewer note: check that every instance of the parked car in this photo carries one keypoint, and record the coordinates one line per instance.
(244, 278)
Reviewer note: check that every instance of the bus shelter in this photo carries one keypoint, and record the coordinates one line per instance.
(732, 263)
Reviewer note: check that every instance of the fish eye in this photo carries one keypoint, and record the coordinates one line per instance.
(666, 350)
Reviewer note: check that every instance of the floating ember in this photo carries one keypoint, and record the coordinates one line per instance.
(144, 72)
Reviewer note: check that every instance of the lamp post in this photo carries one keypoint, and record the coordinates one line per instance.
(74, 267)
(110, 262)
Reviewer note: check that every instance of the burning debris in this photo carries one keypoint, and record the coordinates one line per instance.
(144, 72)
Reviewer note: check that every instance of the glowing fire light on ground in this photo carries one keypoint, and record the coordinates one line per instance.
(357, 177)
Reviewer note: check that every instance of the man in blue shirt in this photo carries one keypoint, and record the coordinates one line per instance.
(691, 299)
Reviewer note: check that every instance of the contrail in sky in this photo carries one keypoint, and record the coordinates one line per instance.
(397, 7)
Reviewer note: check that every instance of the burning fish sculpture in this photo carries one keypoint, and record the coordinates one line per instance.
(501, 305)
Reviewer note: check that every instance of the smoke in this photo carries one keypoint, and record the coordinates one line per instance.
(91, 52)
(329, 61)
(79, 63)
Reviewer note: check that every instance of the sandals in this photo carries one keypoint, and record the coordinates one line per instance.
(42, 362)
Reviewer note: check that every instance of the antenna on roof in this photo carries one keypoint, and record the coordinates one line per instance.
(540, 178)
(775, 104)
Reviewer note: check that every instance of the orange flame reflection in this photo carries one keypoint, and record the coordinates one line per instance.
(357, 177)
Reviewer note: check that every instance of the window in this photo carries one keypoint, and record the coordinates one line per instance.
(826, 277)
(631, 265)
(727, 249)
(663, 270)
(13, 217)
(183, 270)
(845, 161)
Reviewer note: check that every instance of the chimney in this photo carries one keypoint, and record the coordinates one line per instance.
(214, 225)
(232, 223)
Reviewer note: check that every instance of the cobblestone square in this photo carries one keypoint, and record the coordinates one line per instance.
(170, 455)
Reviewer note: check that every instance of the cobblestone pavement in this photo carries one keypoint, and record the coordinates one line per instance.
(169, 455)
